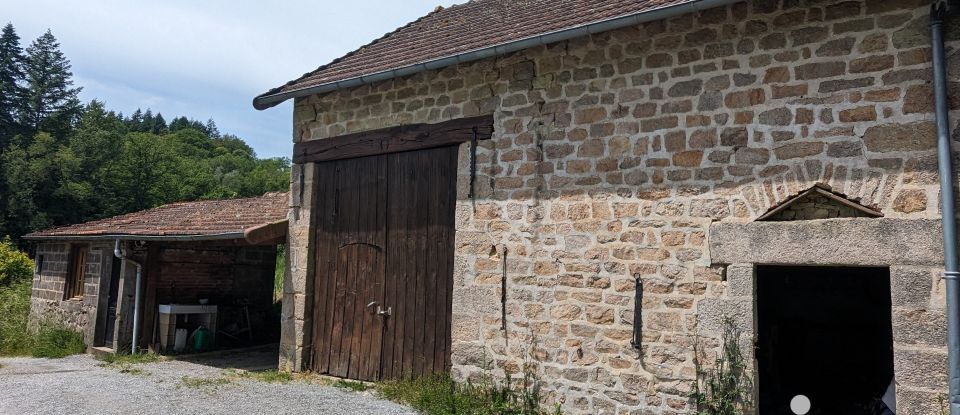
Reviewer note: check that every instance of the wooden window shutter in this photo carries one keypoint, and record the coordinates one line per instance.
(78, 263)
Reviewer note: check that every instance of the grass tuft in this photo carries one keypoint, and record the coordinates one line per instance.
(268, 376)
(129, 359)
(126, 363)
(351, 385)
(203, 383)
(130, 370)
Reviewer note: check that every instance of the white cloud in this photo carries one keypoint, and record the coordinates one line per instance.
(208, 58)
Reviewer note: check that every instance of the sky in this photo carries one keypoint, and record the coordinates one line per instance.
(207, 59)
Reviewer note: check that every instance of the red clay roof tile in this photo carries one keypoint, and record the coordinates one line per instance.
(466, 27)
(202, 218)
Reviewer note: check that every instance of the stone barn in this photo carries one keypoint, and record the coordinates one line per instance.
(147, 272)
(590, 189)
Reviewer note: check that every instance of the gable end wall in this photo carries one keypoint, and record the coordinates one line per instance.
(612, 156)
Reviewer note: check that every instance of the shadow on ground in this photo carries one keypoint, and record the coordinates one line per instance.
(263, 357)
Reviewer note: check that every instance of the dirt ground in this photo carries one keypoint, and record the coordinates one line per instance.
(210, 385)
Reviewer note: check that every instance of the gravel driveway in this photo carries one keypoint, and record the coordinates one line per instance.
(83, 385)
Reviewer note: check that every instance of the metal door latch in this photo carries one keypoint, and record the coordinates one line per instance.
(380, 310)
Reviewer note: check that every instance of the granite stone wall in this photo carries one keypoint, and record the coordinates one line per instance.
(47, 304)
(612, 156)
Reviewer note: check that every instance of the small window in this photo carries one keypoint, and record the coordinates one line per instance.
(78, 263)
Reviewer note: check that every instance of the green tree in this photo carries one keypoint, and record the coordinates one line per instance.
(144, 175)
(96, 141)
(12, 92)
(267, 175)
(32, 176)
(51, 99)
(211, 129)
(159, 124)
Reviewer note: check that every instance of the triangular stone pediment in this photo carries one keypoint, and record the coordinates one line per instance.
(819, 202)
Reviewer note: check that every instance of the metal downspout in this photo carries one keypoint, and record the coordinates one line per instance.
(119, 253)
(938, 14)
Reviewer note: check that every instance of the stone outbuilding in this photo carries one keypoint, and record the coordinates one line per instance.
(483, 189)
(223, 251)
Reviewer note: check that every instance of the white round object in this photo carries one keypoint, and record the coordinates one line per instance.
(800, 404)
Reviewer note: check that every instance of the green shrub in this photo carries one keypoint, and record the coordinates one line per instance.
(15, 266)
(15, 340)
(56, 342)
(16, 282)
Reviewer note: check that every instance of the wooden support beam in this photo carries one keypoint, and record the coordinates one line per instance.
(394, 140)
(265, 233)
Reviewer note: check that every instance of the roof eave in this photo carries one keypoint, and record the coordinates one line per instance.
(131, 237)
(268, 99)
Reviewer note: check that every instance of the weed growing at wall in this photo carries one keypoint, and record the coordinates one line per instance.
(724, 388)
(56, 342)
(440, 395)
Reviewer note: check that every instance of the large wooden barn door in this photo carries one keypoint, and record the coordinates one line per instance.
(385, 228)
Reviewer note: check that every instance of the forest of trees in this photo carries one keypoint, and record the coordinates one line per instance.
(63, 161)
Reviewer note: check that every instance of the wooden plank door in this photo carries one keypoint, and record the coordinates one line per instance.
(383, 280)
(349, 269)
(419, 280)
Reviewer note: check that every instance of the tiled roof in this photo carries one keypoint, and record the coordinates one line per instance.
(467, 27)
(209, 219)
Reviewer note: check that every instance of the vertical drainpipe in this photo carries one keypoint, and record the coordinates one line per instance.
(119, 253)
(938, 14)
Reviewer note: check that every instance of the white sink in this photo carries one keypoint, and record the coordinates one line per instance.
(187, 309)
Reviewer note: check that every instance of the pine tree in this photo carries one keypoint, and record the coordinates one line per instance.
(211, 129)
(135, 120)
(179, 123)
(159, 124)
(147, 123)
(11, 84)
(52, 101)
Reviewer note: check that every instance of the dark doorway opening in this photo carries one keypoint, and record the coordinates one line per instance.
(112, 294)
(823, 332)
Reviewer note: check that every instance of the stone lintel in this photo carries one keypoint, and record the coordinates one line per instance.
(841, 241)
